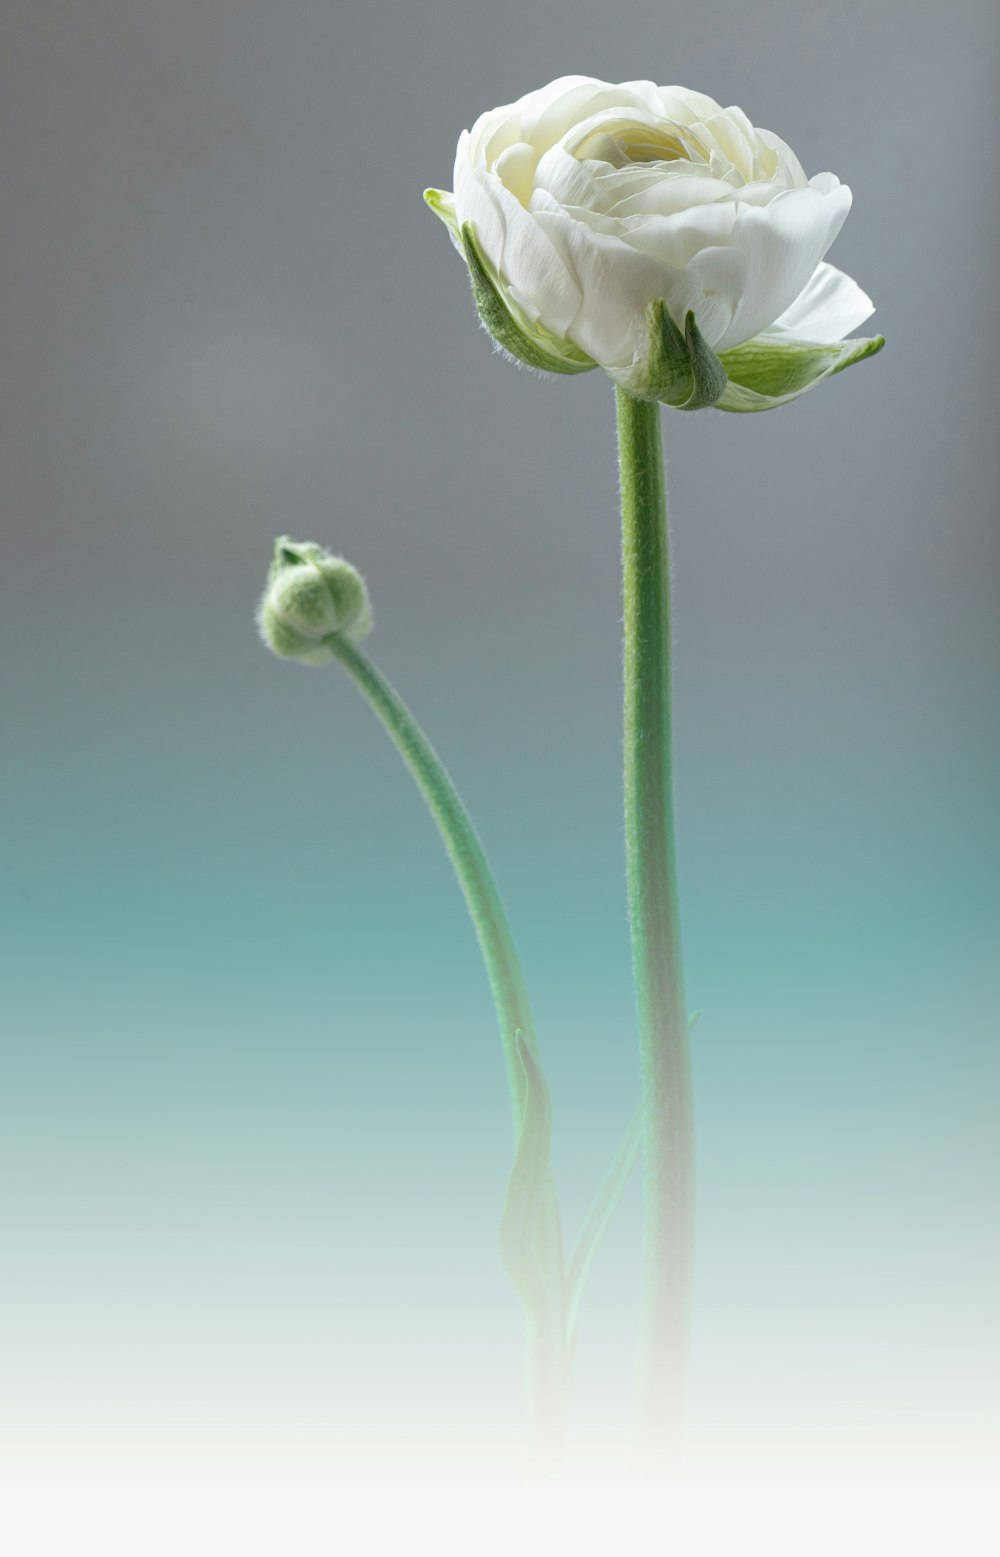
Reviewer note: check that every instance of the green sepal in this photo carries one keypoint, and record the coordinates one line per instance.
(681, 370)
(532, 1258)
(766, 373)
(530, 344)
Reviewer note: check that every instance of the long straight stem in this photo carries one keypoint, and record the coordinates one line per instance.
(548, 1359)
(667, 1107)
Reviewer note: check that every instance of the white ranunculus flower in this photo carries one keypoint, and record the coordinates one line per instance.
(650, 232)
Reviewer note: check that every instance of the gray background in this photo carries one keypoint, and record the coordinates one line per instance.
(226, 313)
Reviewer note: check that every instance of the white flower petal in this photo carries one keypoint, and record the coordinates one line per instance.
(517, 249)
(825, 183)
(533, 266)
(676, 240)
(474, 203)
(616, 283)
(773, 251)
(829, 307)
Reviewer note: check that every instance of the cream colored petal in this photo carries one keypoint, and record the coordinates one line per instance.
(607, 133)
(515, 169)
(548, 115)
(643, 94)
(685, 106)
(733, 133)
(566, 180)
(791, 173)
(492, 133)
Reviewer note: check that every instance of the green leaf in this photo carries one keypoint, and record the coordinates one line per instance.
(680, 370)
(531, 344)
(527, 1233)
(767, 373)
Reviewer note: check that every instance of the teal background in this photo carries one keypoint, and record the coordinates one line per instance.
(254, 1131)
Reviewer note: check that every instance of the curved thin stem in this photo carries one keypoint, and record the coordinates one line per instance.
(548, 1359)
(667, 1106)
(465, 851)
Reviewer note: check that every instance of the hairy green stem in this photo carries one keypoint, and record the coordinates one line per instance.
(548, 1357)
(465, 851)
(667, 1108)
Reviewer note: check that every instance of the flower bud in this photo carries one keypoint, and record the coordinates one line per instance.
(311, 597)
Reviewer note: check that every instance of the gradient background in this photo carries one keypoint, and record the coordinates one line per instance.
(254, 1131)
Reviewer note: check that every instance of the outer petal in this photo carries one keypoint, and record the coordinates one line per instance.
(531, 266)
(524, 339)
(617, 283)
(829, 307)
(474, 204)
(773, 251)
(516, 249)
(491, 134)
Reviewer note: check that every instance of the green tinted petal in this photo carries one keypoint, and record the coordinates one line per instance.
(442, 203)
(767, 373)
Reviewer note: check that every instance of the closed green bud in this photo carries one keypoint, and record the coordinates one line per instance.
(311, 597)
